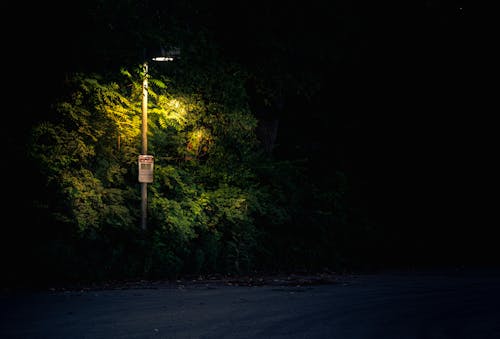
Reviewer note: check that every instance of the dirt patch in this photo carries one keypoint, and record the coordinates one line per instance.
(217, 280)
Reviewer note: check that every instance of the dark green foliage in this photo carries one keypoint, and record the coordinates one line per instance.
(219, 202)
(352, 175)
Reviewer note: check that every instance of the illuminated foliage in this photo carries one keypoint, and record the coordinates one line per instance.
(201, 204)
(219, 202)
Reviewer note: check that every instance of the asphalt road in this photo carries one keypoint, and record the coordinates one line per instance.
(440, 304)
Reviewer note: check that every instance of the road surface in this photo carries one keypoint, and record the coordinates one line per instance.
(451, 304)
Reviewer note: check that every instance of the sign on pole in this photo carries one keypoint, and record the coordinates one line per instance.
(146, 164)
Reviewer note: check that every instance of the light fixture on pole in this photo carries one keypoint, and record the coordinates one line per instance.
(145, 161)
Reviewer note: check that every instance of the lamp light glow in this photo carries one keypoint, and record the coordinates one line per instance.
(162, 59)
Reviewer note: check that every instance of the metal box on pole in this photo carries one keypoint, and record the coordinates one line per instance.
(146, 166)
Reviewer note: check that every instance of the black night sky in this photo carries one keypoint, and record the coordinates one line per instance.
(391, 105)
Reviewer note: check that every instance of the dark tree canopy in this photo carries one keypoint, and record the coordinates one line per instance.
(338, 122)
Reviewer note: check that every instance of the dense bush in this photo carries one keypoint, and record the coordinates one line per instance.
(220, 201)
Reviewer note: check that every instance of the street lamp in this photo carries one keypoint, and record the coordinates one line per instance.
(146, 162)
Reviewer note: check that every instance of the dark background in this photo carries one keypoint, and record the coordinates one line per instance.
(394, 106)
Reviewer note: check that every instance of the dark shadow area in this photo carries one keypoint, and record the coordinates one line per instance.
(378, 97)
